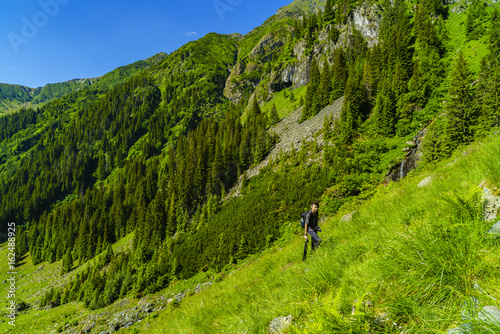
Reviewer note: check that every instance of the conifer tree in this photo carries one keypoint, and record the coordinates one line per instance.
(489, 97)
(371, 72)
(326, 127)
(461, 105)
(67, 262)
(473, 23)
(325, 87)
(494, 40)
(329, 15)
(425, 31)
(339, 73)
(273, 116)
(310, 104)
(333, 35)
(489, 81)
(385, 110)
(352, 113)
(298, 33)
(320, 20)
(301, 100)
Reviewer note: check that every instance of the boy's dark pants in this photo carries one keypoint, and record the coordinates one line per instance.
(316, 240)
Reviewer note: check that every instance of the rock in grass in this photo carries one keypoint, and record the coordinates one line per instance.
(490, 314)
(279, 325)
(495, 229)
(425, 182)
(348, 216)
(491, 202)
(488, 319)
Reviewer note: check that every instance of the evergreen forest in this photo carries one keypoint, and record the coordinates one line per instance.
(145, 177)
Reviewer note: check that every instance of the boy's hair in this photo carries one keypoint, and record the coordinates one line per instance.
(315, 203)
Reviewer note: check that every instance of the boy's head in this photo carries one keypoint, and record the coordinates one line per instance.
(314, 207)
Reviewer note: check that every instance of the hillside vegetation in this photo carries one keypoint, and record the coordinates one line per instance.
(14, 97)
(119, 190)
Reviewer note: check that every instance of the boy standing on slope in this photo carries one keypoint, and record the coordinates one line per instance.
(311, 225)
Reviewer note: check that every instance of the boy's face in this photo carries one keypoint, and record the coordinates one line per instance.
(314, 208)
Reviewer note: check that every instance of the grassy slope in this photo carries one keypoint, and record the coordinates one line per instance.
(283, 104)
(399, 244)
(403, 241)
(31, 284)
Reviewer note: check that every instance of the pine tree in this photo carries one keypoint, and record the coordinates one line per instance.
(352, 113)
(489, 81)
(339, 74)
(311, 104)
(494, 42)
(489, 99)
(425, 31)
(461, 105)
(329, 15)
(301, 100)
(385, 110)
(333, 35)
(273, 116)
(298, 33)
(326, 127)
(320, 20)
(67, 262)
(325, 87)
(473, 23)
(371, 72)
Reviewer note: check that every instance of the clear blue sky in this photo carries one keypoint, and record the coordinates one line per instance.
(48, 41)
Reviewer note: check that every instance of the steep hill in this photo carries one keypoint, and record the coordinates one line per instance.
(119, 190)
(14, 97)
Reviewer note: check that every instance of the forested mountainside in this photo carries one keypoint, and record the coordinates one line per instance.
(15, 97)
(149, 152)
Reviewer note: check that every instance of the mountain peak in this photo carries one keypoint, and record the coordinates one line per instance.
(302, 6)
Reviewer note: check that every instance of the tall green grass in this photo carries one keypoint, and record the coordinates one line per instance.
(410, 260)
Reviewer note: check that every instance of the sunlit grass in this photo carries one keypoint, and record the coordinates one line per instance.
(408, 260)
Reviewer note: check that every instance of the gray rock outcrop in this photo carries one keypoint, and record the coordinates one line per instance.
(292, 134)
(491, 202)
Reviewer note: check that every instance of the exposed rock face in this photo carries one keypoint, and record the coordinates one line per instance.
(411, 160)
(366, 18)
(232, 87)
(495, 229)
(266, 45)
(292, 135)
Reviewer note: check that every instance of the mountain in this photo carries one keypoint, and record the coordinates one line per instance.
(14, 97)
(167, 177)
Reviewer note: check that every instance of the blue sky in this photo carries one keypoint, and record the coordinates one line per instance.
(48, 41)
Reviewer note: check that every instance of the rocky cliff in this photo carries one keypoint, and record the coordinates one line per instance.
(255, 71)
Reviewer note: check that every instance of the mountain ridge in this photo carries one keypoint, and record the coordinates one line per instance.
(121, 194)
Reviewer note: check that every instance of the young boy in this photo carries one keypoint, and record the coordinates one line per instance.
(311, 225)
